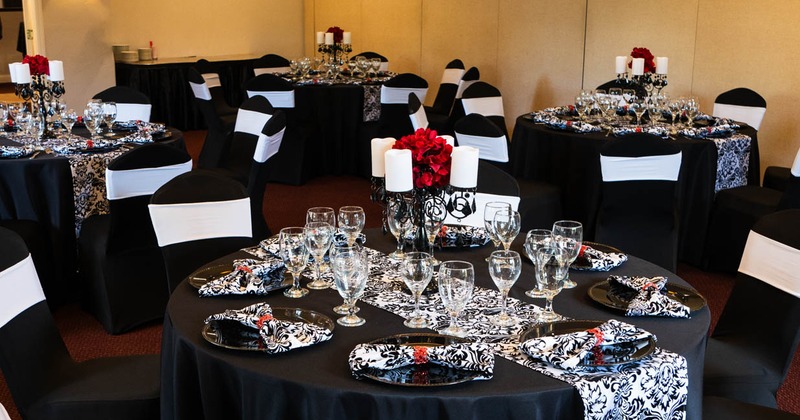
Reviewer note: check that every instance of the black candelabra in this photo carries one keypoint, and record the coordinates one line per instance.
(38, 94)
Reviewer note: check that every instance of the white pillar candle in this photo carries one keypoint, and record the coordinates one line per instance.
(12, 71)
(24, 73)
(661, 65)
(620, 63)
(464, 168)
(638, 66)
(320, 37)
(399, 173)
(57, 71)
(379, 147)
(328, 38)
(347, 38)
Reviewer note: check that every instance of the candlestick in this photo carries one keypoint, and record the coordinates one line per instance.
(399, 173)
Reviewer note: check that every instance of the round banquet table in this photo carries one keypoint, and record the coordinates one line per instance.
(201, 380)
(572, 162)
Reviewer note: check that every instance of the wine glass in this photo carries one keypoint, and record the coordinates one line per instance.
(504, 267)
(581, 105)
(435, 213)
(318, 236)
(109, 115)
(676, 109)
(456, 281)
(351, 222)
(638, 105)
(337, 247)
(506, 226)
(349, 266)
(417, 270)
(376, 65)
(535, 239)
(69, 118)
(321, 214)
(400, 220)
(488, 220)
(568, 235)
(23, 120)
(552, 269)
(295, 257)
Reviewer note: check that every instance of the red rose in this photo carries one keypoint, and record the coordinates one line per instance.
(38, 64)
(338, 33)
(649, 62)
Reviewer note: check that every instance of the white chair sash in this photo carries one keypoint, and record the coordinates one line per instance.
(212, 80)
(133, 112)
(796, 164)
(489, 148)
(476, 219)
(751, 115)
(464, 84)
(772, 262)
(277, 98)
(399, 95)
(251, 122)
(271, 70)
(449, 140)
(142, 181)
(19, 289)
(419, 119)
(487, 106)
(201, 91)
(184, 222)
(452, 76)
(3, 413)
(267, 146)
(645, 168)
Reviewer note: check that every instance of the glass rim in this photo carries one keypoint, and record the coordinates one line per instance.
(350, 208)
(293, 229)
(568, 223)
(319, 209)
(456, 265)
(506, 253)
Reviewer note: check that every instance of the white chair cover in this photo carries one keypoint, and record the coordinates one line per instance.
(751, 115)
(3, 413)
(19, 289)
(476, 219)
(419, 119)
(184, 222)
(772, 262)
(277, 98)
(251, 122)
(489, 148)
(143, 181)
(452, 76)
(201, 91)
(271, 70)
(399, 95)
(133, 112)
(267, 146)
(659, 167)
(212, 80)
(487, 106)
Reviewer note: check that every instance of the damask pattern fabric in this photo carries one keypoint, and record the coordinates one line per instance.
(598, 260)
(466, 356)
(649, 299)
(249, 277)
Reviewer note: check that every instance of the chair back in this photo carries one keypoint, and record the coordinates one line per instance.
(370, 55)
(638, 211)
(791, 195)
(271, 63)
(279, 91)
(394, 121)
(210, 75)
(485, 99)
(741, 104)
(419, 119)
(268, 144)
(470, 76)
(197, 217)
(479, 132)
(31, 349)
(132, 105)
(203, 99)
(446, 96)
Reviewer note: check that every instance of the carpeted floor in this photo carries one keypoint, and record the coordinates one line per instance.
(285, 206)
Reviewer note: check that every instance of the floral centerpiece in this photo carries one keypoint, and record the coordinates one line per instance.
(649, 59)
(430, 157)
(39, 64)
(41, 84)
(338, 34)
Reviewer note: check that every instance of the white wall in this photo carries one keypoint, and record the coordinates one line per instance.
(8, 45)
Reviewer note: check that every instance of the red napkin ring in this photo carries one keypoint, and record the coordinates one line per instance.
(569, 123)
(650, 285)
(263, 319)
(89, 144)
(709, 129)
(420, 355)
(583, 249)
(598, 336)
(245, 269)
(638, 129)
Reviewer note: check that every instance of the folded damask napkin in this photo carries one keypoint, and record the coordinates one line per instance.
(466, 356)
(598, 260)
(566, 351)
(278, 336)
(249, 277)
(649, 301)
(716, 131)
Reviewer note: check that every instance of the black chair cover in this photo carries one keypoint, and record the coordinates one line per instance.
(394, 121)
(219, 125)
(480, 126)
(43, 379)
(120, 260)
(638, 214)
(752, 346)
(741, 104)
(493, 180)
(122, 94)
(470, 76)
(741, 96)
(724, 408)
(480, 90)
(416, 112)
(270, 63)
(238, 158)
(221, 105)
(446, 96)
(370, 55)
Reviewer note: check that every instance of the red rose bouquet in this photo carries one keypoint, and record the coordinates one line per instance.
(649, 62)
(338, 34)
(430, 157)
(38, 64)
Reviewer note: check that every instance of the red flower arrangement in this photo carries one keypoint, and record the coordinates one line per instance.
(338, 34)
(430, 157)
(649, 59)
(38, 64)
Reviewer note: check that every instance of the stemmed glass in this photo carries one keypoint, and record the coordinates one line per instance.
(376, 65)
(349, 266)
(504, 268)
(535, 239)
(568, 235)
(351, 222)
(552, 269)
(400, 220)
(638, 106)
(506, 226)
(321, 214)
(676, 109)
(581, 106)
(435, 213)
(23, 120)
(109, 115)
(456, 281)
(295, 257)
(489, 212)
(69, 118)
(417, 271)
(319, 236)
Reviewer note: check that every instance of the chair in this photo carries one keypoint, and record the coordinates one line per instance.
(752, 346)
(741, 104)
(199, 216)
(119, 257)
(724, 408)
(439, 113)
(394, 121)
(479, 132)
(270, 63)
(416, 112)
(470, 76)
(736, 210)
(493, 185)
(219, 125)
(637, 211)
(210, 73)
(369, 55)
(279, 91)
(485, 99)
(132, 105)
(44, 380)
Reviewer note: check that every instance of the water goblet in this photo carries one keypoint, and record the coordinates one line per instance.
(675, 110)
(337, 247)
(95, 107)
(456, 282)
(638, 106)
(295, 257)
(581, 104)
(417, 270)
(109, 115)
(506, 226)
(365, 66)
(568, 235)
(69, 118)
(350, 270)
(321, 214)
(351, 222)
(318, 236)
(399, 218)
(435, 213)
(376, 65)
(504, 267)
(23, 120)
(552, 269)
(535, 239)
(489, 212)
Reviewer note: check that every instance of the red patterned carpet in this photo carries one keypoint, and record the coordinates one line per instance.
(285, 206)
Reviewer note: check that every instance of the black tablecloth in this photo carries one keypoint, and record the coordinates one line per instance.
(200, 380)
(572, 161)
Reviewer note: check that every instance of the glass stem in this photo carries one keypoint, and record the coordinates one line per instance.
(295, 280)
(548, 307)
(416, 305)
(351, 307)
(317, 261)
(453, 316)
(400, 243)
(504, 302)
